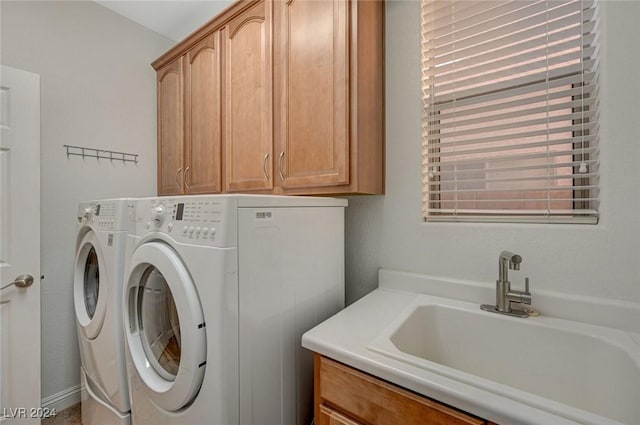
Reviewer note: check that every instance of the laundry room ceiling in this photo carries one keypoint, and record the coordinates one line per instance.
(174, 19)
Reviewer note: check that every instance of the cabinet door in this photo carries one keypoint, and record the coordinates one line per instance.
(377, 402)
(202, 173)
(328, 416)
(170, 128)
(248, 100)
(314, 102)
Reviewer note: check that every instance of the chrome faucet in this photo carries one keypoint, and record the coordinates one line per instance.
(504, 294)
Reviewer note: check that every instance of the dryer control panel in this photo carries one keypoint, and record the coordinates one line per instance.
(190, 219)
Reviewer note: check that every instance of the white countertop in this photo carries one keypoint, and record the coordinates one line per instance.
(346, 336)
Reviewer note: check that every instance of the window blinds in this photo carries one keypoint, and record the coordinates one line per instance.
(510, 127)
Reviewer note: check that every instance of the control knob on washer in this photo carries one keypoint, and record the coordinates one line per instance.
(157, 213)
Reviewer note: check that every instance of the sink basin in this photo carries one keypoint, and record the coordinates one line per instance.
(585, 373)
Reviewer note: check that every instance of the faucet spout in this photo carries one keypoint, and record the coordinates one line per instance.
(507, 260)
(504, 294)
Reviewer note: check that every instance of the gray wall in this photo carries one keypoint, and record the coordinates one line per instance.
(97, 90)
(600, 261)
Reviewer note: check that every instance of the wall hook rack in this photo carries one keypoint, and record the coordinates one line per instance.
(85, 152)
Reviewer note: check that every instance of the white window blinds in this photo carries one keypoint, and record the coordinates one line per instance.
(510, 127)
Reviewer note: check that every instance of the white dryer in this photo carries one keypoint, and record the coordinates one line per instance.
(218, 293)
(103, 227)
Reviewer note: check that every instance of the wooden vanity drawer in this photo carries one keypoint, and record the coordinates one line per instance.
(344, 395)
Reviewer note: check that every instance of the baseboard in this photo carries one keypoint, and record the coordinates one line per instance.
(62, 400)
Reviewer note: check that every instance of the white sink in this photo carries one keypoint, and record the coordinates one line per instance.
(585, 373)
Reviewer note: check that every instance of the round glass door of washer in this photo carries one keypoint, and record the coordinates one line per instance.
(164, 326)
(159, 324)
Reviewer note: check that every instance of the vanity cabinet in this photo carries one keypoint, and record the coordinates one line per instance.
(271, 96)
(346, 396)
(189, 121)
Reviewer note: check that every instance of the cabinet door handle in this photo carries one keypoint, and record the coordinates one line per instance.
(264, 166)
(280, 165)
(186, 178)
(176, 179)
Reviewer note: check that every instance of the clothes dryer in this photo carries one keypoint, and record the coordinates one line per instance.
(218, 292)
(103, 227)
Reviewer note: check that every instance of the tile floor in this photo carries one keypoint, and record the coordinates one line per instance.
(70, 416)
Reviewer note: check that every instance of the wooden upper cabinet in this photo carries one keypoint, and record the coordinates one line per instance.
(314, 95)
(248, 138)
(170, 128)
(202, 167)
(329, 60)
(275, 96)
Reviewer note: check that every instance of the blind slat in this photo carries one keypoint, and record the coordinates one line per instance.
(508, 104)
(538, 212)
(510, 92)
(451, 92)
(462, 171)
(514, 143)
(518, 75)
(589, 151)
(478, 175)
(492, 127)
(519, 113)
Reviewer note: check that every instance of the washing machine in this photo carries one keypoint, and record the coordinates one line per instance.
(103, 227)
(218, 292)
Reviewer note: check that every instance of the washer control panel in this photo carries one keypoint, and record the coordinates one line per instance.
(196, 220)
(108, 215)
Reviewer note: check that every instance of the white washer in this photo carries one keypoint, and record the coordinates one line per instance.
(218, 293)
(103, 227)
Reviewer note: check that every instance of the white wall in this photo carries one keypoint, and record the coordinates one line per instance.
(98, 90)
(599, 261)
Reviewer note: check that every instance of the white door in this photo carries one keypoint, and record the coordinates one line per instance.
(19, 247)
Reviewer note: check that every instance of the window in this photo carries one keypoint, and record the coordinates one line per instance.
(510, 127)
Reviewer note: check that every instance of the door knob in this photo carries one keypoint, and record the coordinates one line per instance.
(22, 281)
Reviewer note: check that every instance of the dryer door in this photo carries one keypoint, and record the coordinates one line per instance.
(165, 326)
(89, 288)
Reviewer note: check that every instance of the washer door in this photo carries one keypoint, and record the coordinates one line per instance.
(165, 326)
(89, 285)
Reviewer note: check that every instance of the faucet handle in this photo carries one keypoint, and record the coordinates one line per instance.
(525, 297)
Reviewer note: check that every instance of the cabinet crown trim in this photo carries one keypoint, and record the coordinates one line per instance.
(216, 23)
